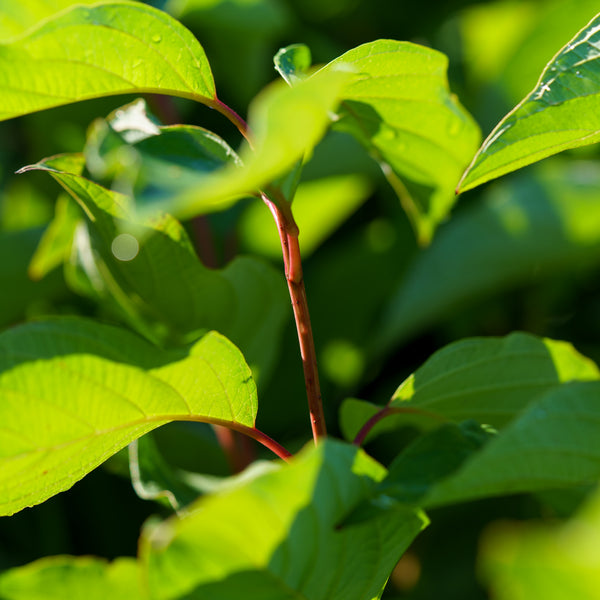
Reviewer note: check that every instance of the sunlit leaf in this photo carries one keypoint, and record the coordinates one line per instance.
(523, 561)
(61, 577)
(74, 392)
(276, 535)
(17, 17)
(560, 113)
(400, 108)
(109, 48)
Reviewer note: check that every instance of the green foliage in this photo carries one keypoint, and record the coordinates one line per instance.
(559, 113)
(132, 318)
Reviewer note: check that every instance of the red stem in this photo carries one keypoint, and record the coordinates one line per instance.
(288, 235)
(386, 411)
(234, 118)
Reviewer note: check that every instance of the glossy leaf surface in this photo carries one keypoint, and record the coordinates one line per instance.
(293, 62)
(400, 108)
(50, 438)
(61, 577)
(560, 113)
(110, 48)
(275, 536)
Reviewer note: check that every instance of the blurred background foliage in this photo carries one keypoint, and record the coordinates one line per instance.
(522, 253)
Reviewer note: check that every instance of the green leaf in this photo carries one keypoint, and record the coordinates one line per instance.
(17, 17)
(137, 156)
(109, 48)
(492, 379)
(545, 222)
(399, 107)
(557, 561)
(489, 380)
(74, 392)
(246, 301)
(285, 124)
(553, 444)
(293, 62)
(560, 113)
(61, 577)
(275, 536)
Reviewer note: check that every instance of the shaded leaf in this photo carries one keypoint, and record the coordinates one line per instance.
(560, 113)
(537, 224)
(61, 577)
(399, 107)
(120, 48)
(154, 479)
(246, 301)
(490, 380)
(275, 535)
(130, 387)
(553, 444)
(24, 293)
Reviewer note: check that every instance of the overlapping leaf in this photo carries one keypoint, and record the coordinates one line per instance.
(560, 113)
(109, 48)
(275, 536)
(400, 108)
(74, 392)
(490, 380)
(164, 290)
(285, 124)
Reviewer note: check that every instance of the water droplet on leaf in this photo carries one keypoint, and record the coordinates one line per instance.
(156, 38)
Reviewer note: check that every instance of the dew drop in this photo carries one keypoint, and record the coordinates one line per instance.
(157, 38)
